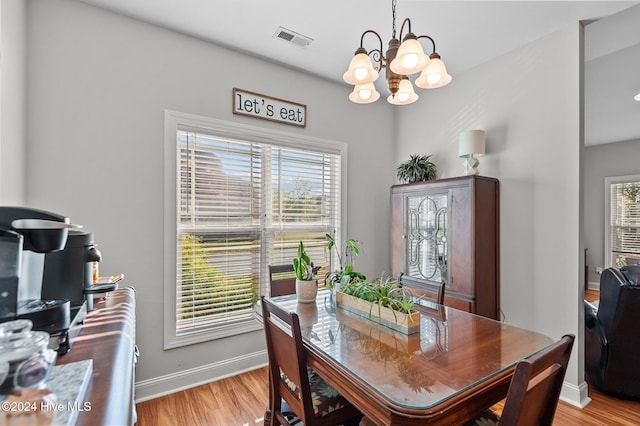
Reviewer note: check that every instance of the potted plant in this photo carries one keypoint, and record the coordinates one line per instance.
(417, 168)
(345, 265)
(382, 300)
(306, 284)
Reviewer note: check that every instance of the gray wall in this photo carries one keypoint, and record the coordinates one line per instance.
(532, 116)
(99, 84)
(12, 102)
(98, 87)
(601, 161)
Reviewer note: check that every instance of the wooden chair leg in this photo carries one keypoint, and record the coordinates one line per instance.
(267, 417)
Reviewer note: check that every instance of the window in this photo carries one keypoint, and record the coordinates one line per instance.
(622, 240)
(245, 197)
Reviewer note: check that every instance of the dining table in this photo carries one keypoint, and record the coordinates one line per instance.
(456, 365)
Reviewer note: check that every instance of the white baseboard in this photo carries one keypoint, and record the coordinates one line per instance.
(591, 285)
(575, 395)
(175, 382)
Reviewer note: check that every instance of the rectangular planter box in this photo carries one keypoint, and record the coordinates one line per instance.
(399, 321)
(408, 343)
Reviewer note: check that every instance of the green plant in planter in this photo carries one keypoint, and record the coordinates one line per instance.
(302, 265)
(345, 265)
(306, 283)
(381, 292)
(417, 169)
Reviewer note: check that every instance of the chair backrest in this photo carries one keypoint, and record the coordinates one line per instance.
(535, 388)
(440, 297)
(619, 306)
(438, 294)
(631, 273)
(611, 282)
(286, 357)
(282, 280)
(618, 316)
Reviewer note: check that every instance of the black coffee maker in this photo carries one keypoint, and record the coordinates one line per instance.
(55, 274)
(10, 270)
(69, 273)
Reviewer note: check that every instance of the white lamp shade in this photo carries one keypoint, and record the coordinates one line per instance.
(434, 75)
(405, 94)
(364, 94)
(410, 58)
(471, 143)
(360, 70)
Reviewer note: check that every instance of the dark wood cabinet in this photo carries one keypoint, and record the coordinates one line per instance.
(448, 230)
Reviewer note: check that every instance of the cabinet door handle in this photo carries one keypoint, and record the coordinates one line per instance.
(404, 237)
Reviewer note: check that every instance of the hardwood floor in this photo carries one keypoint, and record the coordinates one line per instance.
(241, 401)
(591, 295)
(235, 401)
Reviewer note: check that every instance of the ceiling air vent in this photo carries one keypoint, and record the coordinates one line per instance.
(292, 37)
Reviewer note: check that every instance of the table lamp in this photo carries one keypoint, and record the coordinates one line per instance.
(470, 145)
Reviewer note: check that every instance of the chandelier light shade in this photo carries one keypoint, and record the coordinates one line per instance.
(410, 58)
(364, 94)
(404, 95)
(399, 62)
(360, 70)
(471, 144)
(434, 75)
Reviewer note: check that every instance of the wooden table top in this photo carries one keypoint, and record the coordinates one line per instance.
(457, 365)
(108, 338)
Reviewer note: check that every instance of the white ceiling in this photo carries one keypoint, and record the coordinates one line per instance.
(467, 33)
(612, 78)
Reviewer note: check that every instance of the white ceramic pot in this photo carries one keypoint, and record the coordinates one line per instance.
(306, 290)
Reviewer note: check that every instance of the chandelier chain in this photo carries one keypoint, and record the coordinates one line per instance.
(393, 14)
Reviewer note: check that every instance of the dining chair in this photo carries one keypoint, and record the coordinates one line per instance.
(435, 296)
(282, 280)
(440, 297)
(534, 391)
(297, 393)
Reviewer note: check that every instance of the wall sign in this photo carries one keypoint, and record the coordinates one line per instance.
(268, 108)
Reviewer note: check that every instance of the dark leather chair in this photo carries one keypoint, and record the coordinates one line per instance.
(612, 334)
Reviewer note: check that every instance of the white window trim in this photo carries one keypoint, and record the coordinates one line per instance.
(608, 181)
(173, 121)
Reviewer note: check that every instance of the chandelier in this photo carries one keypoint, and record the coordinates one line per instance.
(401, 60)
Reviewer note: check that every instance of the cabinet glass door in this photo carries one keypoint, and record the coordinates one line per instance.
(427, 249)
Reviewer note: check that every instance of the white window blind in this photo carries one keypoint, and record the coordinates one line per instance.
(243, 205)
(624, 232)
(306, 188)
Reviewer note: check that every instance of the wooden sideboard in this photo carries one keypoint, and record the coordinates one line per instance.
(108, 338)
(447, 230)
